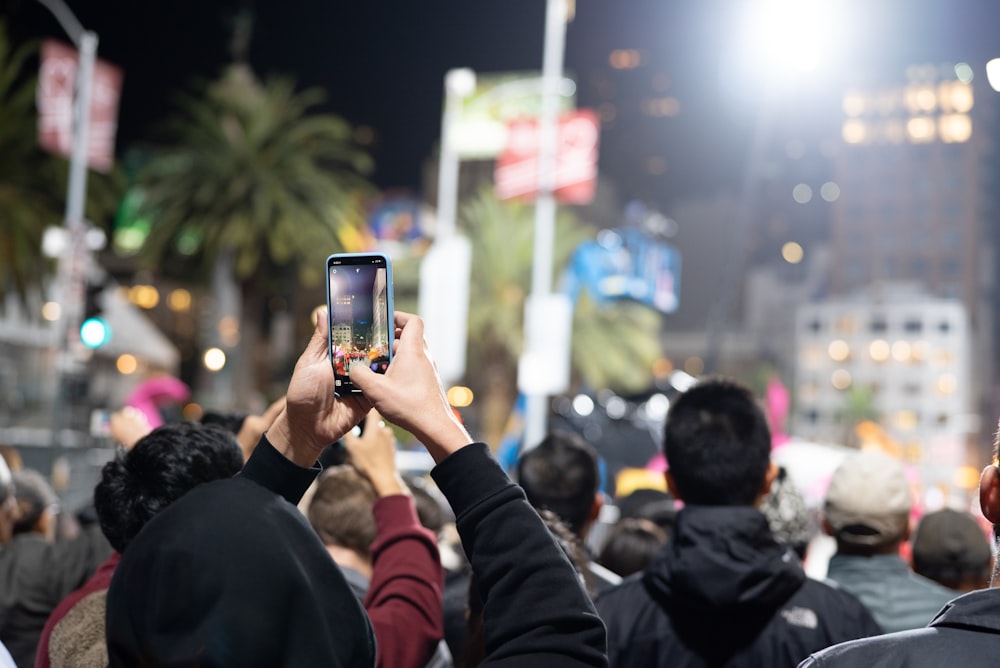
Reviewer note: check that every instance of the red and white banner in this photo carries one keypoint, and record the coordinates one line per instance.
(516, 172)
(56, 86)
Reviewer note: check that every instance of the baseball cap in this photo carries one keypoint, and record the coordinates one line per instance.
(868, 500)
(948, 539)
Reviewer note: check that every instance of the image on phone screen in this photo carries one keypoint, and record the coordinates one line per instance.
(360, 306)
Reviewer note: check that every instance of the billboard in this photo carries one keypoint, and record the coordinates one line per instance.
(480, 132)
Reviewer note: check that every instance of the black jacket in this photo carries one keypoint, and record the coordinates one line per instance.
(965, 633)
(35, 576)
(724, 593)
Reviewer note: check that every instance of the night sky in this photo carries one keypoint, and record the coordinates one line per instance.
(382, 63)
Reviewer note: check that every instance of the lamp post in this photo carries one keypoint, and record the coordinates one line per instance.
(74, 261)
(544, 365)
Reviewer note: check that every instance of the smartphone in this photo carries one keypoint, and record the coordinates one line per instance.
(360, 311)
(100, 423)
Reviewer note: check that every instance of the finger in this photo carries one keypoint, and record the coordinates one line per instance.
(365, 378)
(318, 346)
(373, 421)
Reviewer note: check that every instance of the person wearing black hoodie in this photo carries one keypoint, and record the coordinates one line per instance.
(723, 591)
(233, 575)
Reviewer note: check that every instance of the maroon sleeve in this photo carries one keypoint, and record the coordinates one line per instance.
(404, 599)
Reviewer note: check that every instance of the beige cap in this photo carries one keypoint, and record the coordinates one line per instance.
(868, 500)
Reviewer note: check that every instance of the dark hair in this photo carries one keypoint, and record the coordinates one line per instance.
(34, 496)
(654, 505)
(430, 512)
(341, 509)
(231, 422)
(561, 475)
(717, 444)
(630, 545)
(164, 465)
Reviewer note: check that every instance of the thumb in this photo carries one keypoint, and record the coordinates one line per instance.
(366, 379)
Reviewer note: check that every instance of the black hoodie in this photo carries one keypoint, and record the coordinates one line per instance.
(722, 592)
(231, 574)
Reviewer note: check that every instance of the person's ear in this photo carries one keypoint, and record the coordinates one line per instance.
(672, 486)
(595, 508)
(989, 493)
(769, 477)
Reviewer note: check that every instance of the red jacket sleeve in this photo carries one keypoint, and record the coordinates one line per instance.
(404, 599)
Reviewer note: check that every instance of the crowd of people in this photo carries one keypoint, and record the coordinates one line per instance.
(250, 541)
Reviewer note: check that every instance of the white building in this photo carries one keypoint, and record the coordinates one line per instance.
(904, 353)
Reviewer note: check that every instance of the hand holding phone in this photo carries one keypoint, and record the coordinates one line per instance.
(359, 306)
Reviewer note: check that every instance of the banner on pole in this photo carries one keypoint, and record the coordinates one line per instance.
(56, 93)
(516, 172)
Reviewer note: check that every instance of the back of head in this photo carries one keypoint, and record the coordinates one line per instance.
(34, 497)
(231, 422)
(162, 466)
(231, 574)
(658, 507)
(867, 506)
(717, 444)
(561, 475)
(631, 545)
(951, 548)
(341, 510)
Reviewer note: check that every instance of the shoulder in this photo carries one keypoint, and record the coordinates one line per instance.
(886, 651)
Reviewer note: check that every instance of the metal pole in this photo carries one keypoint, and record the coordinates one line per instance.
(75, 262)
(457, 85)
(536, 408)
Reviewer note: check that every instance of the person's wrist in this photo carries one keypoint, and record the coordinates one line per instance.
(444, 437)
(389, 485)
(281, 436)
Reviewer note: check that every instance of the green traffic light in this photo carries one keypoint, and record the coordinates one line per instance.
(95, 332)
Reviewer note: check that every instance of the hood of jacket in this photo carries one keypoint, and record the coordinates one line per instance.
(722, 562)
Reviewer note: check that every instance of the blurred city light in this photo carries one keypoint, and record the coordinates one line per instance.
(616, 408)
(694, 365)
(993, 73)
(802, 193)
(839, 350)
(682, 381)
(657, 406)
(583, 405)
(94, 332)
(791, 34)
(460, 396)
(792, 252)
(192, 411)
(51, 311)
(879, 350)
(964, 72)
(179, 300)
(214, 359)
(127, 364)
(144, 296)
(829, 191)
(841, 379)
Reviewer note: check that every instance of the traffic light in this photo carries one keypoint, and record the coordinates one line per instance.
(94, 330)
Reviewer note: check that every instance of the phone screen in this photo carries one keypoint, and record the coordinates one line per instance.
(359, 307)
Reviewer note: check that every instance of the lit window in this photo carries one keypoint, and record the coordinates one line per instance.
(854, 131)
(879, 350)
(955, 128)
(920, 129)
(838, 350)
(841, 379)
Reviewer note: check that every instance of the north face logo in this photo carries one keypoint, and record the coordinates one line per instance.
(803, 617)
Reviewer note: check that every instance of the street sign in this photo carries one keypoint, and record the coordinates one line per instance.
(56, 87)
(516, 173)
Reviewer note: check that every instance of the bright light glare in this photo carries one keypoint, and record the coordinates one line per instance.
(214, 359)
(993, 73)
(791, 34)
(583, 405)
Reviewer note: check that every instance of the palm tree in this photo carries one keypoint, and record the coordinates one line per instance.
(248, 177)
(32, 182)
(27, 178)
(613, 345)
